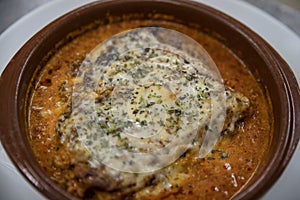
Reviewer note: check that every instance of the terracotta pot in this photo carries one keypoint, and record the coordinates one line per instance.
(264, 63)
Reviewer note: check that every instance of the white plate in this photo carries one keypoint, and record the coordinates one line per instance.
(13, 185)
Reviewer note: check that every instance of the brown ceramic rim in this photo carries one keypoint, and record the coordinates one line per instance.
(279, 81)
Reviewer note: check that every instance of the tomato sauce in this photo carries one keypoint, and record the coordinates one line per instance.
(221, 175)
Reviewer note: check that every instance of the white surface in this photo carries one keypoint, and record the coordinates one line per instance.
(13, 186)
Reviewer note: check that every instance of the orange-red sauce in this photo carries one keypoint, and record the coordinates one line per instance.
(215, 177)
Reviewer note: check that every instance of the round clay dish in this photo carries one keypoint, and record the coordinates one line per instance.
(263, 60)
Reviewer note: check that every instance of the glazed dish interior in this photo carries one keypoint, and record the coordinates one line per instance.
(226, 171)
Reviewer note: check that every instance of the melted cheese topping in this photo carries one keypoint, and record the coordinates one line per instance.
(140, 101)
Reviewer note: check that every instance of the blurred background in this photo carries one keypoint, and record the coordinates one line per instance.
(292, 3)
(286, 11)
